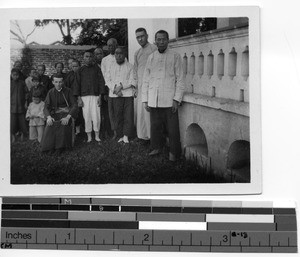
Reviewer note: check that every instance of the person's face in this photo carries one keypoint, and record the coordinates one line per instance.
(98, 55)
(36, 100)
(14, 76)
(161, 41)
(111, 47)
(142, 38)
(18, 65)
(40, 70)
(70, 63)
(120, 56)
(87, 57)
(32, 73)
(75, 66)
(35, 83)
(58, 83)
(59, 68)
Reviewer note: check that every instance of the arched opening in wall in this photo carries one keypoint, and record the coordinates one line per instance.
(196, 148)
(238, 161)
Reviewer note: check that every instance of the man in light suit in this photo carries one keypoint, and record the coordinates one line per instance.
(162, 91)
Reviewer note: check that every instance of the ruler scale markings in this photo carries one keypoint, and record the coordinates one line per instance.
(281, 239)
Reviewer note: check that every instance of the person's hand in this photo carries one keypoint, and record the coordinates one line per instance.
(105, 98)
(134, 91)
(147, 108)
(99, 101)
(120, 94)
(80, 102)
(175, 106)
(50, 121)
(65, 120)
(118, 89)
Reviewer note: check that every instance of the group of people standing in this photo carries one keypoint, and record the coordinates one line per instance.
(101, 93)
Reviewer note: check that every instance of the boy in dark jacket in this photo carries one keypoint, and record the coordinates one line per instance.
(89, 87)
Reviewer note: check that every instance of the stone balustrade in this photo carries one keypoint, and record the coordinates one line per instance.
(216, 63)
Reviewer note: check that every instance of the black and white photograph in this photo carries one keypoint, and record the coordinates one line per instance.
(137, 101)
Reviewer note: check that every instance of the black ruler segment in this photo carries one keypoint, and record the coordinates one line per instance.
(136, 208)
(34, 223)
(167, 209)
(105, 208)
(69, 223)
(227, 210)
(75, 207)
(284, 211)
(47, 207)
(15, 206)
(257, 211)
(34, 215)
(241, 226)
(197, 210)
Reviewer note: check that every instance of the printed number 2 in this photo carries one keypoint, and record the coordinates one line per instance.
(225, 238)
(146, 237)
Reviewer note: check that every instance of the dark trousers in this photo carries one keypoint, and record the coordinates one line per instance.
(18, 123)
(111, 112)
(105, 122)
(123, 109)
(164, 118)
(79, 120)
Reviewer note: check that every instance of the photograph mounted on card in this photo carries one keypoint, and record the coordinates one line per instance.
(113, 101)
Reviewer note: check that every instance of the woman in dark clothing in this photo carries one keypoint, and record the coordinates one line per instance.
(18, 95)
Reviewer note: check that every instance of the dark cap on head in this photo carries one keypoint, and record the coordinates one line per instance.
(36, 94)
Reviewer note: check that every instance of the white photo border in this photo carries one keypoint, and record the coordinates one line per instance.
(252, 12)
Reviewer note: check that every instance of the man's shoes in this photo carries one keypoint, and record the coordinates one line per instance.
(120, 140)
(125, 139)
(155, 152)
(172, 157)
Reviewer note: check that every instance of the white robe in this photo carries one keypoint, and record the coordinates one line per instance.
(142, 116)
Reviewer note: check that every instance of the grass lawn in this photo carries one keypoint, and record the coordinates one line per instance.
(107, 162)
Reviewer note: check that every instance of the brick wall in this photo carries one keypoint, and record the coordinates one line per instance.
(48, 55)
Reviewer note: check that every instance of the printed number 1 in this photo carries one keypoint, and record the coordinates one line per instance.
(69, 236)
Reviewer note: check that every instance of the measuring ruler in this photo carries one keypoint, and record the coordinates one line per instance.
(147, 225)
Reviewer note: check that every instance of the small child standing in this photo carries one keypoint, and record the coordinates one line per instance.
(37, 88)
(36, 117)
(18, 94)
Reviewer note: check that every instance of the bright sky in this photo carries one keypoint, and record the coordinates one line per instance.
(45, 35)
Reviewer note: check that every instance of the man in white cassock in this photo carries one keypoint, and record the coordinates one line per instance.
(140, 60)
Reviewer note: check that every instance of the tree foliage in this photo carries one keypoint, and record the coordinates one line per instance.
(188, 26)
(93, 31)
(98, 31)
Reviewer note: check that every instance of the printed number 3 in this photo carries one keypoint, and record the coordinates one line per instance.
(225, 238)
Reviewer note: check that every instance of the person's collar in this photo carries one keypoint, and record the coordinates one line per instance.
(122, 62)
(59, 90)
(145, 45)
(164, 51)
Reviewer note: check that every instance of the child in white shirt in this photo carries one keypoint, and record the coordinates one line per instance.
(36, 117)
